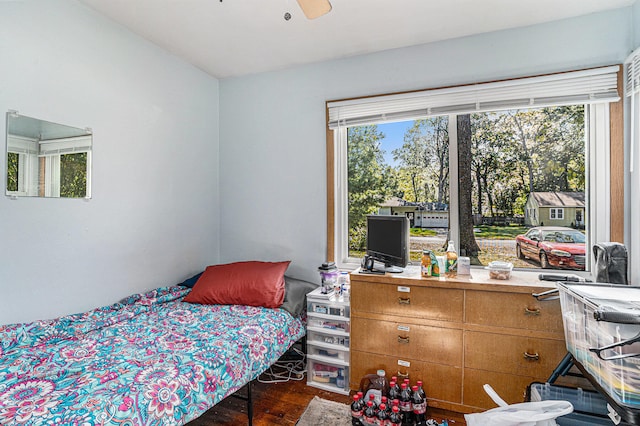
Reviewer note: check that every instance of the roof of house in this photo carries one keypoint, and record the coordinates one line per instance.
(430, 206)
(558, 199)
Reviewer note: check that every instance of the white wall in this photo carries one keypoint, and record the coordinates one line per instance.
(154, 216)
(272, 125)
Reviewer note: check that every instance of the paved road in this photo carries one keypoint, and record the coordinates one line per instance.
(484, 243)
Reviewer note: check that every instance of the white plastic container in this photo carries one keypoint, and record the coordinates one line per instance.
(602, 324)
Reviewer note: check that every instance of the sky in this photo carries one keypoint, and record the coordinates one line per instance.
(393, 138)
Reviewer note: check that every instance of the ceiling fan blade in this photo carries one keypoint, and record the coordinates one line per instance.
(313, 9)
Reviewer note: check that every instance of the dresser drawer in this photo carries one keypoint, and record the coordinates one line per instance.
(513, 310)
(426, 343)
(409, 301)
(516, 355)
(510, 388)
(441, 382)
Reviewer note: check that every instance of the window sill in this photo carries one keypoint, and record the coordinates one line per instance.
(479, 279)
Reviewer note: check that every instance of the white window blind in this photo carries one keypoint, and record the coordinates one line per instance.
(569, 88)
(632, 92)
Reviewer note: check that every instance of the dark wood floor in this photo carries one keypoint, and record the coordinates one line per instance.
(281, 404)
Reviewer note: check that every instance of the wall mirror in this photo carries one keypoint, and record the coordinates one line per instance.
(46, 159)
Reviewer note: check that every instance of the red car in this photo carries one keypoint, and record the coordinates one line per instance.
(553, 246)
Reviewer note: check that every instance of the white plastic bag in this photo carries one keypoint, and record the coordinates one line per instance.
(540, 413)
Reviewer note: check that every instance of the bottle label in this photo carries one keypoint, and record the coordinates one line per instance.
(357, 413)
(452, 265)
(426, 270)
(420, 408)
(370, 420)
(405, 405)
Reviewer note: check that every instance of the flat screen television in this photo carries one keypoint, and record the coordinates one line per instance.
(388, 241)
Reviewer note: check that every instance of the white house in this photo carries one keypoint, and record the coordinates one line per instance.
(421, 215)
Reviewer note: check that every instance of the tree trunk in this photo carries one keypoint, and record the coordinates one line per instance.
(479, 183)
(468, 245)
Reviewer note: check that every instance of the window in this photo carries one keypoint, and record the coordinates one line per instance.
(460, 163)
(556, 214)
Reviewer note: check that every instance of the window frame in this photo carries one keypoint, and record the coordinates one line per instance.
(606, 182)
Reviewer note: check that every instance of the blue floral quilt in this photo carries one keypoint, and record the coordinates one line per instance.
(148, 360)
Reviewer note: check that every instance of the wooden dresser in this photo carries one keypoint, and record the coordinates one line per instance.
(455, 334)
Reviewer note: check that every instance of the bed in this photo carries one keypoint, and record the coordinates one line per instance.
(150, 359)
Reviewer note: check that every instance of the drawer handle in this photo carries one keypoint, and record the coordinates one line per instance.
(535, 311)
(404, 300)
(403, 339)
(531, 357)
(403, 375)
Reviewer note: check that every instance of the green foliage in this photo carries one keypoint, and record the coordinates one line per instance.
(369, 179)
(73, 175)
(423, 232)
(12, 171)
(424, 161)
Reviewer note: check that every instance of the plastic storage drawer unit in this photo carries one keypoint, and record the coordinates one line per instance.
(602, 332)
(590, 408)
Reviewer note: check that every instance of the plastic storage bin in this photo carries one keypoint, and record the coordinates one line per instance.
(602, 332)
(337, 342)
(500, 270)
(332, 377)
(590, 408)
(328, 327)
(328, 352)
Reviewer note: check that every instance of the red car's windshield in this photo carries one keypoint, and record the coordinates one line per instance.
(563, 236)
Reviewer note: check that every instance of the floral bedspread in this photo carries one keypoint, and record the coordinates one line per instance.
(148, 360)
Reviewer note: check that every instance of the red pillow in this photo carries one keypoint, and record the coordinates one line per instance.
(250, 283)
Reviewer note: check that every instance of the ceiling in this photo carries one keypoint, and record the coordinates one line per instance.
(228, 38)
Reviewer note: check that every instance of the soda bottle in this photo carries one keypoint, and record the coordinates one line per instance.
(405, 405)
(451, 262)
(394, 391)
(425, 263)
(382, 415)
(419, 406)
(395, 418)
(384, 400)
(357, 408)
(421, 390)
(372, 399)
(369, 415)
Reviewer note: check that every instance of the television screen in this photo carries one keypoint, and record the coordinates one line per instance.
(388, 240)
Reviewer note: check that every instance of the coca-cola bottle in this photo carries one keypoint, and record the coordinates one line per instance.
(372, 398)
(369, 416)
(394, 390)
(421, 389)
(357, 409)
(419, 406)
(395, 418)
(382, 416)
(405, 405)
(384, 400)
